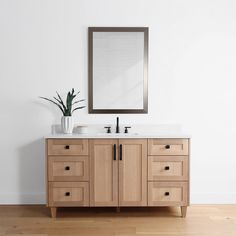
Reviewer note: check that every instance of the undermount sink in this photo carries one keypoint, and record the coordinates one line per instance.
(116, 134)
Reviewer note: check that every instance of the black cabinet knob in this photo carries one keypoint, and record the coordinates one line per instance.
(67, 147)
(67, 168)
(67, 194)
(167, 146)
(167, 193)
(167, 167)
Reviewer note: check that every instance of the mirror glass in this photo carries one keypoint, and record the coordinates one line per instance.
(118, 70)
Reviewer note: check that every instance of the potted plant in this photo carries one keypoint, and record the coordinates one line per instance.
(67, 109)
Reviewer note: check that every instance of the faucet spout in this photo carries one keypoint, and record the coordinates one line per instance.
(117, 125)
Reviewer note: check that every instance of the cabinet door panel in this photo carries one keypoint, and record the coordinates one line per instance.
(104, 173)
(133, 172)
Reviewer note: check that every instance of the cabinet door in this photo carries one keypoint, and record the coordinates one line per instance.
(133, 172)
(104, 172)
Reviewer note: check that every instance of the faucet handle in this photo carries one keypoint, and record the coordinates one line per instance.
(126, 129)
(108, 129)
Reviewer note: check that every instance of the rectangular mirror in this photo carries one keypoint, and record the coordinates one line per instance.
(118, 61)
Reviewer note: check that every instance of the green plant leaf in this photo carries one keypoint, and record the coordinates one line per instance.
(77, 108)
(59, 101)
(69, 101)
(62, 103)
(47, 99)
(78, 101)
(67, 113)
(77, 93)
(66, 108)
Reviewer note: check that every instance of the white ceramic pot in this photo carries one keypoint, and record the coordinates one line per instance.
(82, 129)
(67, 124)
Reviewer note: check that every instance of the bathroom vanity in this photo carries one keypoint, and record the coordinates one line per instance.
(117, 170)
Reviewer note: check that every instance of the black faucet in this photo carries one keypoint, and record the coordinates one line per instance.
(117, 125)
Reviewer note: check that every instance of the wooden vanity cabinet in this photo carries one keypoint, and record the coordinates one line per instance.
(133, 172)
(103, 172)
(117, 172)
(168, 173)
(67, 173)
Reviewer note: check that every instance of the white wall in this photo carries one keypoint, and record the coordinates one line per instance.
(192, 73)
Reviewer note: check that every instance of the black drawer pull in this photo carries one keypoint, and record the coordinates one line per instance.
(67, 168)
(67, 194)
(167, 167)
(67, 147)
(167, 193)
(114, 152)
(120, 152)
(167, 146)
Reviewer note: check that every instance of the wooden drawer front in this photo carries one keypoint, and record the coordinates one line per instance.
(167, 168)
(68, 194)
(167, 194)
(68, 147)
(167, 147)
(68, 168)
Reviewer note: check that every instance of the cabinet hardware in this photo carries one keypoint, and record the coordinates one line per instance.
(167, 146)
(67, 168)
(121, 152)
(67, 147)
(114, 152)
(167, 167)
(67, 194)
(167, 193)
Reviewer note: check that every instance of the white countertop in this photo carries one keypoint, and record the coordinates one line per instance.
(96, 131)
(118, 136)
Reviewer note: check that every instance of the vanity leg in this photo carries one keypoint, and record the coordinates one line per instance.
(118, 209)
(53, 212)
(183, 211)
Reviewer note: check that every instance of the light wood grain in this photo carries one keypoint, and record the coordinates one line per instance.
(78, 194)
(167, 168)
(75, 147)
(103, 173)
(68, 168)
(53, 212)
(133, 173)
(46, 171)
(202, 220)
(176, 147)
(183, 211)
(177, 194)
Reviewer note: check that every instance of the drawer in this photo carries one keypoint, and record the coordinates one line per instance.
(167, 194)
(168, 147)
(167, 168)
(67, 146)
(68, 168)
(68, 194)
